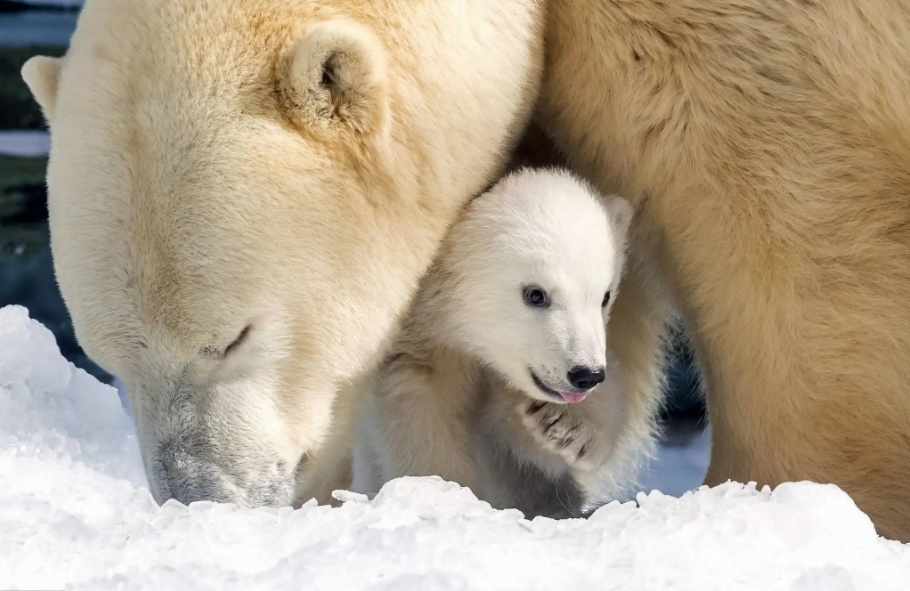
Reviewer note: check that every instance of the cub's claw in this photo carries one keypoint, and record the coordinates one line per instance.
(561, 430)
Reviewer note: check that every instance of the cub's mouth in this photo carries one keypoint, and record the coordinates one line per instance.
(561, 397)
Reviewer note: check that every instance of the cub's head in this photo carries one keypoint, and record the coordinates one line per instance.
(243, 196)
(532, 271)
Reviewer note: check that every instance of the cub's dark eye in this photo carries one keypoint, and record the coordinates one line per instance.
(536, 297)
(606, 301)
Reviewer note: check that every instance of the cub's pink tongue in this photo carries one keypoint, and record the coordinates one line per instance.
(573, 398)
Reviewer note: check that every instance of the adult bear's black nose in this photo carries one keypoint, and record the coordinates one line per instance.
(585, 378)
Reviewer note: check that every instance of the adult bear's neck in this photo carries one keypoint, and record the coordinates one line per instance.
(466, 75)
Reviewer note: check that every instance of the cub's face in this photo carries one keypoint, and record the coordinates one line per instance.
(545, 324)
(537, 264)
(566, 332)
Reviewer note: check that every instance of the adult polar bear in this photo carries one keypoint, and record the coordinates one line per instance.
(267, 191)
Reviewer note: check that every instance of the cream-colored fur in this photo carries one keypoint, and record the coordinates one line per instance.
(243, 197)
(764, 144)
(455, 396)
(766, 147)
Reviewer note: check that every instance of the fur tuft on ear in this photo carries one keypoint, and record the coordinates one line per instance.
(41, 74)
(337, 75)
(620, 212)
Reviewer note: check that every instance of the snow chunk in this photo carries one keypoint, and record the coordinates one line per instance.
(75, 512)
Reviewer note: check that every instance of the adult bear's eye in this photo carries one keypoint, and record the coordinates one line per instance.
(238, 341)
(536, 297)
(606, 301)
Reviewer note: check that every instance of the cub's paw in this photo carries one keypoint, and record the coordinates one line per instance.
(561, 429)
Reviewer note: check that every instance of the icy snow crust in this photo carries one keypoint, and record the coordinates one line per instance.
(75, 512)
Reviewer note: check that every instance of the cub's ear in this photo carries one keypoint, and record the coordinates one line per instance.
(41, 74)
(620, 212)
(336, 75)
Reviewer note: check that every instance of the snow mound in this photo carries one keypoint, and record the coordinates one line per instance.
(75, 512)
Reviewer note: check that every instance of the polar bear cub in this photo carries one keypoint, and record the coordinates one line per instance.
(501, 379)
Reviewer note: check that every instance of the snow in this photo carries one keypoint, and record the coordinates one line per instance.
(75, 512)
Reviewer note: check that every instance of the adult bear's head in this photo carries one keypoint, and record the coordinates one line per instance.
(243, 196)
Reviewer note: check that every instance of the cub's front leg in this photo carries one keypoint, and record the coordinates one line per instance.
(421, 408)
(583, 434)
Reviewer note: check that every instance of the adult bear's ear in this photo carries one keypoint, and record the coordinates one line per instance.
(41, 74)
(336, 75)
(620, 212)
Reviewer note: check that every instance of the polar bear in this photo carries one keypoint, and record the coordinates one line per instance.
(220, 314)
(271, 164)
(499, 379)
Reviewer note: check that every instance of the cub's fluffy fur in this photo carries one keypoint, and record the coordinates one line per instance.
(482, 386)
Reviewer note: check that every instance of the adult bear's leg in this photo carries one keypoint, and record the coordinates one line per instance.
(767, 154)
(811, 380)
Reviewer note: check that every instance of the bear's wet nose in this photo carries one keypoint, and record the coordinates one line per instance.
(585, 378)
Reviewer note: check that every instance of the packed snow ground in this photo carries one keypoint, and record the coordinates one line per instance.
(75, 513)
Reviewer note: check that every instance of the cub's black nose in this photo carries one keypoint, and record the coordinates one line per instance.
(585, 378)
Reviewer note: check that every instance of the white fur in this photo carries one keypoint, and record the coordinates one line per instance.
(762, 143)
(222, 165)
(455, 396)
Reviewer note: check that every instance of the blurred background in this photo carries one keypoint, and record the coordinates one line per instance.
(29, 27)
(26, 271)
